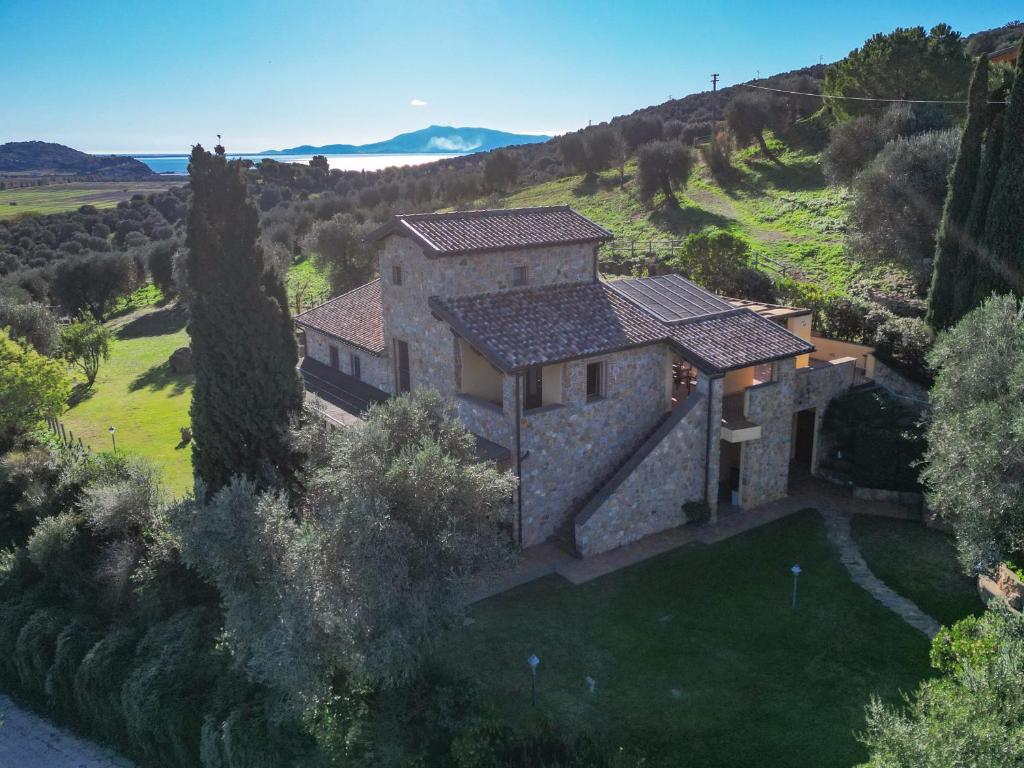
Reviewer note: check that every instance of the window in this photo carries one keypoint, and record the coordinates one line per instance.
(401, 366)
(519, 276)
(533, 393)
(334, 356)
(356, 366)
(595, 381)
(396, 274)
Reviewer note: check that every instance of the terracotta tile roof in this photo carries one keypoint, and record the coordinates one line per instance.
(539, 326)
(445, 234)
(356, 317)
(536, 326)
(735, 339)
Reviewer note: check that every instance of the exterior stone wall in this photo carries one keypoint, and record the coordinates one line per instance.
(715, 391)
(650, 496)
(374, 369)
(815, 388)
(568, 448)
(764, 463)
(898, 384)
(432, 346)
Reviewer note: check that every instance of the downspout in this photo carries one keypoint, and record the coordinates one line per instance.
(596, 273)
(519, 460)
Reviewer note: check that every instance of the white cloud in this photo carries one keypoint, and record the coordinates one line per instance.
(417, 103)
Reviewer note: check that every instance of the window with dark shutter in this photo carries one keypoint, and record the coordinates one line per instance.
(402, 366)
(533, 388)
(356, 367)
(595, 381)
(519, 276)
(335, 363)
(396, 274)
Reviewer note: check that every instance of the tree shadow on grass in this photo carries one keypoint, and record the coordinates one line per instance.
(687, 219)
(161, 377)
(159, 323)
(81, 392)
(591, 186)
(792, 177)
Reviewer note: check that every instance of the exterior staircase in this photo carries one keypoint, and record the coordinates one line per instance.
(564, 536)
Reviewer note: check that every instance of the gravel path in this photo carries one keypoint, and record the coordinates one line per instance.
(29, 741)
(838, 525)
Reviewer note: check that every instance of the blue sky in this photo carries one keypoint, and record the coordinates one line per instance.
(158, 76)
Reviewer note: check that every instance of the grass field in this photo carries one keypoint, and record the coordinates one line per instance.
(137, 393)
(920, 563)
(57, 198)
(697, 654)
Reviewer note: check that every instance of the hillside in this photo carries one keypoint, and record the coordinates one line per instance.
(43, 158)
(434, 139)
(786, 212)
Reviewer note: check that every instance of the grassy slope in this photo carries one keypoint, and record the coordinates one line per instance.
(138, 394)
(698, 650)
(920, 563)
(786, 211)
(56, 198)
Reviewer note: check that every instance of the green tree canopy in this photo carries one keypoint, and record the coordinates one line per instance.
(338, 248)
(32, 387)
(243, 344)
(397, 519)
(85, 344)
(749, 115)
(974, 466)
(963, 180)
(972, 715)
(30, 322)
(91, 282)
(501, 170)
(663, 166)
(906, 63)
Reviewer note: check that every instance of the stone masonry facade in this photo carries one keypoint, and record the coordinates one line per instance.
(374, 369)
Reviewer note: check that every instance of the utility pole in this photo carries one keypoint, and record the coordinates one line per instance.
(714, 101)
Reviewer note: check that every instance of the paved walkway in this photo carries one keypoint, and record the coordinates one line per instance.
(838, 525)
(29, 741)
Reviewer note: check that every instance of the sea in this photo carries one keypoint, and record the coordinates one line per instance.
(178, 164)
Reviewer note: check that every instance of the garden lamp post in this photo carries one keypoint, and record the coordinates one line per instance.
(113, 440)
(533, 661)
(795, 570)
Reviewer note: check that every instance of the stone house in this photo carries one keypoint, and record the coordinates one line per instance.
(619, 404)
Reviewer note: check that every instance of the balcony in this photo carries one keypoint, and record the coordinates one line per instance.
(736, 427)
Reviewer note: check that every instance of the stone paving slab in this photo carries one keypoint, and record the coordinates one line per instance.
(29, 741)
(838, 525)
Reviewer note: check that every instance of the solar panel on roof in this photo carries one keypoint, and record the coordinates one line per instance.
(671, 298)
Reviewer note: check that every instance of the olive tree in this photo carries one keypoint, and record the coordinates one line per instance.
(663, 166)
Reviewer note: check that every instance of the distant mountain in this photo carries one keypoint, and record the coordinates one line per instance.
(44, 158)
(440, 139)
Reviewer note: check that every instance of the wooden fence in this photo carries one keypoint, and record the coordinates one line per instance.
(66, 437)
(650, 257)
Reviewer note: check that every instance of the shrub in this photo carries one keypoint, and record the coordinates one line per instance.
(13, 616)
(164, 694)
(73, 643)
(98, 682)
(35, 649)
(903, 343)
(696, 511)
(716, 155)
(879, 438)
(52, 544)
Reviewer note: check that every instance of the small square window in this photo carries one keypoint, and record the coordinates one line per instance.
(519, 276)
(356, 366)
(595, 381)
(396, 275)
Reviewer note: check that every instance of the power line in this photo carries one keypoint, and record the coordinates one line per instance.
(860, 98)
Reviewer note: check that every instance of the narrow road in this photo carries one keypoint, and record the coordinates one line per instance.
(838, 526)
(29, 741)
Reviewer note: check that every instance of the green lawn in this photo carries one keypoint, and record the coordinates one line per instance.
(697, 653)
(138, 394)
(920, 563)
(56, 198)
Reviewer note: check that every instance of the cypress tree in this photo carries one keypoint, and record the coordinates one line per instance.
(972, 271)
(243, 349)
(963, 180)
(1002, 244)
